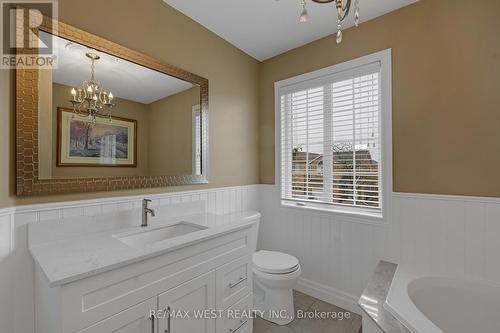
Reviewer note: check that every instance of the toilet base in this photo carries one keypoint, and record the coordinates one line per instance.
(273, 297)
(277, 308)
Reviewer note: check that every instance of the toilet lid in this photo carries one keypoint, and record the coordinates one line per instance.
(274, 262)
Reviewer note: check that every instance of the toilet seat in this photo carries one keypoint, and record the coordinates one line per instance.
(272, 262)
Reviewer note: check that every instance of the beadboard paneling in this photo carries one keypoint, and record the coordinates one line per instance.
(430, 234)
(16, 277)
(6, 253)
(338, 253)
(447, 235)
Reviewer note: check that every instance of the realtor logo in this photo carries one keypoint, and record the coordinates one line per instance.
(24, 44)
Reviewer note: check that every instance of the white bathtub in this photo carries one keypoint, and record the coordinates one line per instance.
(444, 305)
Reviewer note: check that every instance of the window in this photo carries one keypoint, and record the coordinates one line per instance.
(332, 128)
(196, 161)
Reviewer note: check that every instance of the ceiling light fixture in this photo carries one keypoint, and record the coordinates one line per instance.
(90, 99)
(343, 8)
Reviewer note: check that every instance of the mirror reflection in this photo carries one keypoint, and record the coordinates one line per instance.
(102, 116)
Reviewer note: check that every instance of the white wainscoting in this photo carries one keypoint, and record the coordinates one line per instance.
(9, 257)
(16, 264)
(450, 235)
(446, 235)
(337, 253)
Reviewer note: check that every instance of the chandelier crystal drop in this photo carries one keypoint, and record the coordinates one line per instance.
(339, 33)
(343, 8)
(356, 13)
(90, 100)
(304, 15)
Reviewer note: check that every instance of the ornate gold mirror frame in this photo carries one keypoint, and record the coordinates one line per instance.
(27, 166)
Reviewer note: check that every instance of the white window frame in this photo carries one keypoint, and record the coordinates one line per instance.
(385, 59)
(196, 113)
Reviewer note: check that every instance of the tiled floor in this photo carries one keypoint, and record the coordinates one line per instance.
(304, 325)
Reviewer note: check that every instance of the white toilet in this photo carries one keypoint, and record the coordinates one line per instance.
(275, 275)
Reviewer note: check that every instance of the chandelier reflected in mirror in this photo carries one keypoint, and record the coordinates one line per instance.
(343, 9)
(90, 100)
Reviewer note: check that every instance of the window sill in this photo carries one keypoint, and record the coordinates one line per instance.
(366, 217)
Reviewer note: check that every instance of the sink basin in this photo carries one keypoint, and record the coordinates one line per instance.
(160, 234)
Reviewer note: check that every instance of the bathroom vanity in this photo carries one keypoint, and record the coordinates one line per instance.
(120, 277)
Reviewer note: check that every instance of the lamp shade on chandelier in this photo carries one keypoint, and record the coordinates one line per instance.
(91, 100)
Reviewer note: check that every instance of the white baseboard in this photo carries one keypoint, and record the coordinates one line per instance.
(328, 294)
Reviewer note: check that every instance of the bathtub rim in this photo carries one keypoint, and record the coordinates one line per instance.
(400, 305)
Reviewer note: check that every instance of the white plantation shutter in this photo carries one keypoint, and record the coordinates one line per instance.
(331, 139)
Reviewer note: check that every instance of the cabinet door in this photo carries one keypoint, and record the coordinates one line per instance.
(132, 320)
(191, 299)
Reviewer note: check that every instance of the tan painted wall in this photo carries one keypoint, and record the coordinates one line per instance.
(171, 134)
(446, 60)
(156, 29)
(446, 93)
(6, 137)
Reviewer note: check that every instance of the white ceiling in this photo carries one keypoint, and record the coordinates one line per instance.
(265, 28)
(123, 78)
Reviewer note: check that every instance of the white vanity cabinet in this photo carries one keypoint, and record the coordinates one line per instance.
(211, 274)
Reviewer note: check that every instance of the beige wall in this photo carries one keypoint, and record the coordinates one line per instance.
(171, 134)
(446, 93)
(156, 29)
(6, 133)
(125, 109)
(446, 60)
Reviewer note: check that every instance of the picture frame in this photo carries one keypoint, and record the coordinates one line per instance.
(105, 143)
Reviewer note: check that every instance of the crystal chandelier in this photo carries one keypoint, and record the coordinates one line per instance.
(343, 9)
(90, 100)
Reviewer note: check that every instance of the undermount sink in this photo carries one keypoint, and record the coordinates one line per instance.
(160, 234)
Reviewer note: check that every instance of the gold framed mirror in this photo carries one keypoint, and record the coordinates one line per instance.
(107, 117)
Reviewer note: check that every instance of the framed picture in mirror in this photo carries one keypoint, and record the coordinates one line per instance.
(105, 142)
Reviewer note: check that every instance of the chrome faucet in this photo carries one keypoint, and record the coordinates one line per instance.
(145, 212)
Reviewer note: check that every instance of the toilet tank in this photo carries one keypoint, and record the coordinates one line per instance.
(255, 217)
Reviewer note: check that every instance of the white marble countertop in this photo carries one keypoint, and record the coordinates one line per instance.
(72, 249)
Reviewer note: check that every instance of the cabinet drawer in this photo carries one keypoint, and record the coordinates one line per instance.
(231, 322)
(234, 281)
